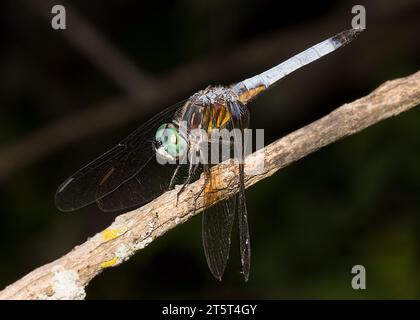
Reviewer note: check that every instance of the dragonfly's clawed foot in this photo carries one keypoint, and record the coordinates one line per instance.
(178, 194)
(195, 203)
(198, 195)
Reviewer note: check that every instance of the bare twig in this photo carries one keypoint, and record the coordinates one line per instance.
(67, 277)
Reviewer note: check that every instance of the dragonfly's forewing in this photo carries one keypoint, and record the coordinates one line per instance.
(218, 219)
(122, 164)
(216, 229)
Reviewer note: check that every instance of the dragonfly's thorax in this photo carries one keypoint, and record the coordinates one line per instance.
(214, 95)
(214, 108)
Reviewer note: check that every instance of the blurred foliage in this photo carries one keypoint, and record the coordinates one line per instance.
(354, 202)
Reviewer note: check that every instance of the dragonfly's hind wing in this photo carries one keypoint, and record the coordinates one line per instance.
(153, 180)
(149, 183)
(107, 173)
(244, 238)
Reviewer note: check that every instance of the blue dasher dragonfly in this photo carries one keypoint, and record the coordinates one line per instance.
(131, 174)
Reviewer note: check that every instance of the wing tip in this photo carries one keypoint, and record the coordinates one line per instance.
(216, 273)
(63, 205)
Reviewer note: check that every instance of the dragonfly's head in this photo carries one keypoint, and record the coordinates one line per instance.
(169, 143)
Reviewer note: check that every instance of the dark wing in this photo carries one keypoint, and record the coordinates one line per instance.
(244, 239)
(123, 163)
(241, 115)
(218, 220)
(216, 232)
(149, 183)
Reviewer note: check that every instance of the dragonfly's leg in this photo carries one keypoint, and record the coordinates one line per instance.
(171, 184)
(185, 182)
(199, 193)
(203, 187)
(191, 172)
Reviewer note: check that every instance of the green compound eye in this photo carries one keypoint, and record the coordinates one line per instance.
(171, 141)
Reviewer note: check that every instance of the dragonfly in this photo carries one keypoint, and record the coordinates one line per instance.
(131, 173)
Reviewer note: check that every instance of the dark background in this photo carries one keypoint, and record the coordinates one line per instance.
(67, 96)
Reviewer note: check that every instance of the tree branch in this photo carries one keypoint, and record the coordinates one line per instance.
(67, 277)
